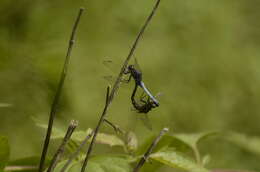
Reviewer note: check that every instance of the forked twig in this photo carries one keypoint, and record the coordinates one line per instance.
(60, 151)
(119, 78)
(150, 149)
(96, 131)
(58, 92)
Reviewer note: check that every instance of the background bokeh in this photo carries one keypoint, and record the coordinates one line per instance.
(202, 55)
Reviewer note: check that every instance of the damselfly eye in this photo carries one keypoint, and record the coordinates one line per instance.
(130, 67)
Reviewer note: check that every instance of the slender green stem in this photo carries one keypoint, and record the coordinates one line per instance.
(149, 150)
(58, 92)
(115, 127)
(60, 151)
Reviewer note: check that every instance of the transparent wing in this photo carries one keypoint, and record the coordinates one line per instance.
(112, 68)
(158, 95)
(146, 121)
(136, 64)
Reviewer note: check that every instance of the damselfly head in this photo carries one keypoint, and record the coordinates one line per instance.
(130, 67)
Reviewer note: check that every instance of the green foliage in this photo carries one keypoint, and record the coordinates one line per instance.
(78, 136)
(4, 152)
(99, 164)
(192, 140)
(177, 160)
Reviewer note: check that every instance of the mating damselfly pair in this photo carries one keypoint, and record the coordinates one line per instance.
(146, 102)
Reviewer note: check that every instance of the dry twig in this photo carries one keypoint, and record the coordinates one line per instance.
(54, 106)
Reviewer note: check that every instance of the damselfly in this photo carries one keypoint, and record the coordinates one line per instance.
(135, 72)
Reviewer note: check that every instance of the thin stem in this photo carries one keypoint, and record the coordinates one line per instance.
(60, 151)
(119, 78)
(96, 131)
(150, 149)
(58, 92)
(115, 127)
(75, 154)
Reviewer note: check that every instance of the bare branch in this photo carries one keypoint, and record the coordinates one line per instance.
(60, 151)
(58, 92)
(149, 150)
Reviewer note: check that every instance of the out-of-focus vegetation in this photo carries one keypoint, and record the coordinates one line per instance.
(202, 55)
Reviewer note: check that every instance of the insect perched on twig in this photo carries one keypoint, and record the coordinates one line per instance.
(135, 72)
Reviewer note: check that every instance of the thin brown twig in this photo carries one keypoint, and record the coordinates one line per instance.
(60, 151)
(96, 131)
(54, 106)
(150, 149)
(119, 78)
(115, 127)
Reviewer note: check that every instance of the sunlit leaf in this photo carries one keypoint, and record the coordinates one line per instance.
(248, 143)
(4, 152)
(102, 138)
(132, 142)
(174, 159)
(79, 136)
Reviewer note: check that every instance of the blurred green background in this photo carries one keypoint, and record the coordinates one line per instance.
(202, 55)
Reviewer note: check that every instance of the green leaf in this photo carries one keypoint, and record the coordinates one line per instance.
(131, 142)
(166, 141)
(79, 136)
(102, 138)
(248, 143)
(175, 159)
(61, 164)
(4, 152)
(192, 140)
(99, 164)
(75, 166)
(112, 163)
